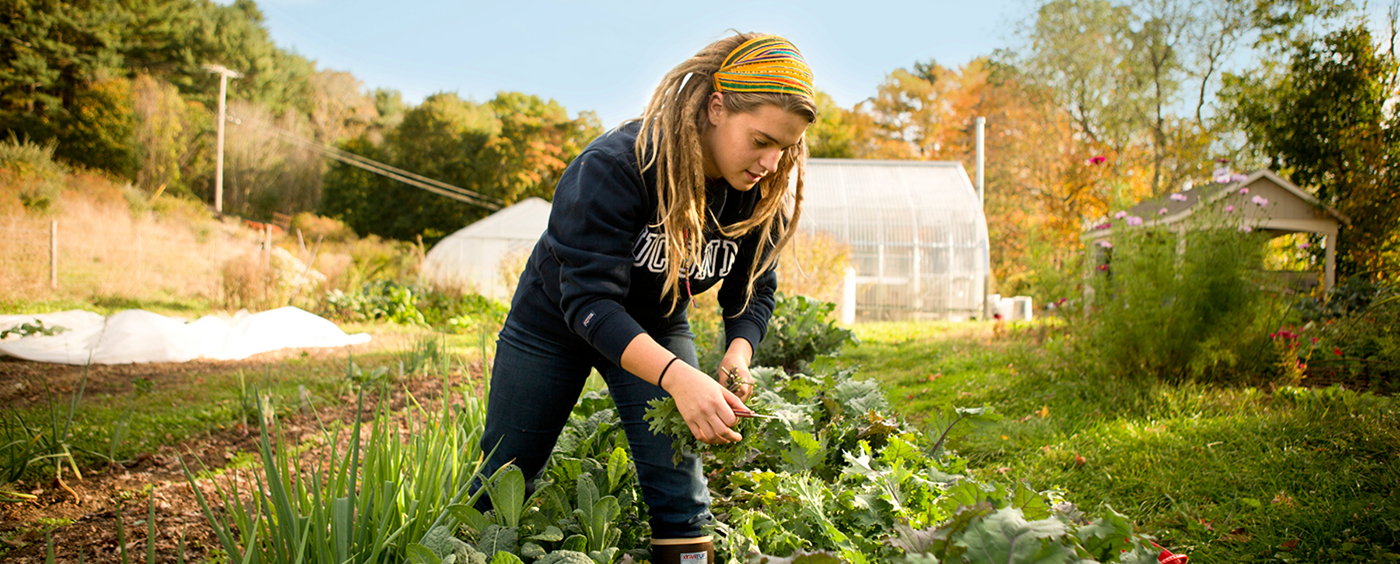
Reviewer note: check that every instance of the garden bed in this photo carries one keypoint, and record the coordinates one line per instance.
(83, 515)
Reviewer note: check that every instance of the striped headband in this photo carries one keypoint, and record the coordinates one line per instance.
(766, 64)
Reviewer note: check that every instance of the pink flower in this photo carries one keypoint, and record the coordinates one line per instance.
(1104, 225)
(1120, 215)
(1098, 160)
(1260, 200)
(1237, 177)
(1106, 244)
(1134, 220)
(1162, 211)
(1246, 229)
(1229, 209)
(1303, 245)
(1179, 197)
(1244, 190)
(1103, 268)
(1221, 175)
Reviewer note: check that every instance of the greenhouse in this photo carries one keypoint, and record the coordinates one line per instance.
(916, 230)
(473, 256)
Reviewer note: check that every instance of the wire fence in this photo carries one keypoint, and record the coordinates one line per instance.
(101, 251)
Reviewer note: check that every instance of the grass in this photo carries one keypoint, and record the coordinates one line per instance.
(1224, 474)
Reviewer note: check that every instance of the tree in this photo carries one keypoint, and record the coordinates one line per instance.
(1325, 123)
(536, 141)
(1123, 71)
(170, 129)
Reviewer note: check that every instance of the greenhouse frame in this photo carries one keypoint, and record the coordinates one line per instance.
(916, 230)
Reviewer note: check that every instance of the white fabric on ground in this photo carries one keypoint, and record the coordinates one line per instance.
(138, 336)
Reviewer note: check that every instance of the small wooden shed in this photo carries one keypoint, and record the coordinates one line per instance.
(1285, 209)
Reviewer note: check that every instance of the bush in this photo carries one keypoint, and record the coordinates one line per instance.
(1350, 336)
(257, 282)
(316, 228)
(1181, 306)
(444, 310)
(801, 330)
(31, 178)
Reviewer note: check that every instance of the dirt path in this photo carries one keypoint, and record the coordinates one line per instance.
(104, 494)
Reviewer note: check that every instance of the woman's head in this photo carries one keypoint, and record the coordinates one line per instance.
(738, 111)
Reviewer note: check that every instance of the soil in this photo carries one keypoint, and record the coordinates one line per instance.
(106, 494)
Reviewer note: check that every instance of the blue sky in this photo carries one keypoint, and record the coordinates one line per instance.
(607, 56)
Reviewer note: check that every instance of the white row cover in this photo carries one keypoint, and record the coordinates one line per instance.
(139, 336)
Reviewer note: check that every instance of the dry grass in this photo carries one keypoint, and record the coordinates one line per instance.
(105, 249)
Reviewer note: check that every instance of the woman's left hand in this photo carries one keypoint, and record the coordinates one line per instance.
(736, 364)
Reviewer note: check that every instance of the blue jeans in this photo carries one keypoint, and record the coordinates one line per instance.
(536, 380)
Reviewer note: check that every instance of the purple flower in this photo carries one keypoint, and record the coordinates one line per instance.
(1162, 211)
(1229, 209)
(1120, 215)
(1134, 220)
(1106, 244)
(1179, 197)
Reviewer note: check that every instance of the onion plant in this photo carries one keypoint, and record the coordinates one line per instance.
(361, 501)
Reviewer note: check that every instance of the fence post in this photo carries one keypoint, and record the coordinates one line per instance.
(53, 254)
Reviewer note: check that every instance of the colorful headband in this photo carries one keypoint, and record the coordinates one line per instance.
(766, 64)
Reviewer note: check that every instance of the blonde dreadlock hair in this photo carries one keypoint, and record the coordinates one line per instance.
(669, 143)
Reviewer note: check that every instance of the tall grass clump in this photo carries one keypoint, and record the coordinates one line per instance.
(365, 499)
(1181, 304)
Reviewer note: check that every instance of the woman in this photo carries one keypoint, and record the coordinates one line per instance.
(695, 192)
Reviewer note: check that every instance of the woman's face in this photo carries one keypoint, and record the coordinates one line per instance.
(744, 147)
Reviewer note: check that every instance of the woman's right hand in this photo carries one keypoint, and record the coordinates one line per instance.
(707, 407)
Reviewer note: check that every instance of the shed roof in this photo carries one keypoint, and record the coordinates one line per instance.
(1289, 209)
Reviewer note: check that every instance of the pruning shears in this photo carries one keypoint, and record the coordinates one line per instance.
(746, 413)
(734, 388)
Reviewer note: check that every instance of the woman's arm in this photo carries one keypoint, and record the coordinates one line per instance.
(707, 407)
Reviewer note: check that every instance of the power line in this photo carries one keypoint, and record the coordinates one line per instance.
(412, 179)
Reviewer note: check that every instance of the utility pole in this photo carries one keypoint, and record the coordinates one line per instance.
(982, 199)
(224, 74)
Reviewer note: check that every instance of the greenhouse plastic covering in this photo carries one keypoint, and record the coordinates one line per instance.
(916, 230)
(471, 257)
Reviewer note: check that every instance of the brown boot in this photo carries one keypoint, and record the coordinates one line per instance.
(699, 550)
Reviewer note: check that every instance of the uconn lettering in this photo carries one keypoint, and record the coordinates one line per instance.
(649, 251)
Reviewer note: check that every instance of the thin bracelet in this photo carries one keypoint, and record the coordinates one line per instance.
(663, 371)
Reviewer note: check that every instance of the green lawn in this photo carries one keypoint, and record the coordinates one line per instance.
(1223, 474)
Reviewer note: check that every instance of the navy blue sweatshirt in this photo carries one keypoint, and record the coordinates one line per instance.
(599, 269)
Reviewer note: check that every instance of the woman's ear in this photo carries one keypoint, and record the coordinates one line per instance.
(714, 108)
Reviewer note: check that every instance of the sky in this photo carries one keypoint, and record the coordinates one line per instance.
(608, 56)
